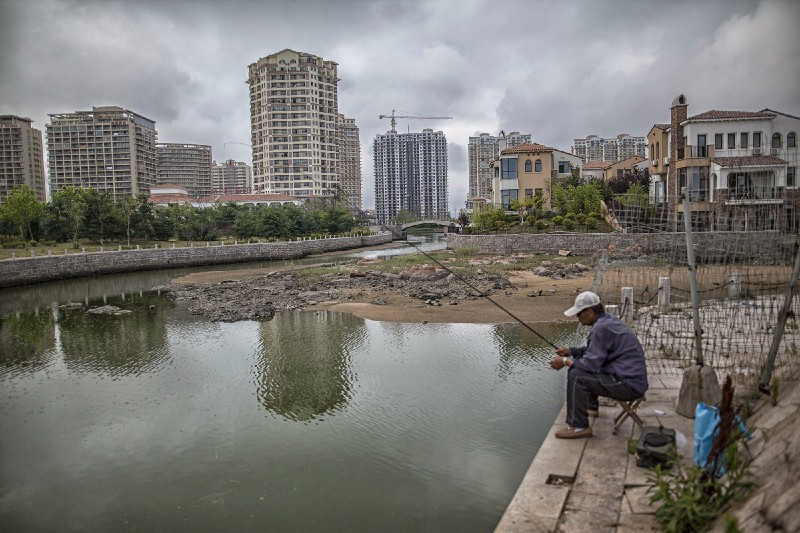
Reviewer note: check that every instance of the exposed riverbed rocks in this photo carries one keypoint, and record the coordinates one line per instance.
(261, 297)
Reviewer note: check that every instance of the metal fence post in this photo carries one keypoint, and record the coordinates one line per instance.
(766, 376)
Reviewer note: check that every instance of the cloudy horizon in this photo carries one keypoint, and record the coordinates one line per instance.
(557, 70)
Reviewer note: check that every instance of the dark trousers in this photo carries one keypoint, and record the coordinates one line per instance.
(584, 387)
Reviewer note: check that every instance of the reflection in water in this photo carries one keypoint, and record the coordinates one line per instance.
(26, 341)
(304, 384)
(127, 344)
(519, 346)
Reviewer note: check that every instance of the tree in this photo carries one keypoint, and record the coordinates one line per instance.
(463, 219)
(404, 216)
(69, 205)
(127, 210)
(100, 213)
(22, 208)
(524, 206)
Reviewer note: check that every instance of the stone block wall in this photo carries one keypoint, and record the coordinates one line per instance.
(28, 270)
(766, 247)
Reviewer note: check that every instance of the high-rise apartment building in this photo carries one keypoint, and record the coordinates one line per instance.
(482, 150)
(293, 114)
(21, 156)
(623, 146)
(410, 174)
(109, 148)
(185, 165)
(231, 177)
(349, 162)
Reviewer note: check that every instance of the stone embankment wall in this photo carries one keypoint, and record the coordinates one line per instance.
(28, 270)
(764, 246)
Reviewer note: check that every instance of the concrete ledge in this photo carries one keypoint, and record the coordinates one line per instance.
(24, 271)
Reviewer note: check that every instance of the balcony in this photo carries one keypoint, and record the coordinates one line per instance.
(751, 195)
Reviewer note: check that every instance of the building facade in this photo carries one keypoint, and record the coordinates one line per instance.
(349, 169)
(109, 149)
(293, 115)
(739, 168)
(231, 177)
(611, 150)
(482, 150)
(21, 156)
(527, 170)
(186, 165)
(410, 174)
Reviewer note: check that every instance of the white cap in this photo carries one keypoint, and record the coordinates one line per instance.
(584, 300)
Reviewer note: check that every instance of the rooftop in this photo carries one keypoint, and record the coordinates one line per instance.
(527, 147)
(749, 161)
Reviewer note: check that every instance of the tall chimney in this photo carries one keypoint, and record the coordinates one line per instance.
(677, 114)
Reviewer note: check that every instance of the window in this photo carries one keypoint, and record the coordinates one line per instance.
(539, 193)
(776, 140)
(653, 151)
(791, 180)
(658, 151)
(508, 196)
(756, 139)
(528, 165)
(538, 165)
(717, 141)
(509, 168)
(695, 179)
(528, 193)
(791, 140)
(702, 150)
(619, 172)
(731, 140)
(564, 167)
(745, 140)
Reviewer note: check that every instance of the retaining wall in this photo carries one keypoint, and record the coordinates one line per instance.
(766, 246)
(28, 270)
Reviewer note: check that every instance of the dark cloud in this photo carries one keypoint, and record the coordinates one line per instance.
(558, 70)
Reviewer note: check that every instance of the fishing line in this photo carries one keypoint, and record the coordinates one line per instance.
(480, 292)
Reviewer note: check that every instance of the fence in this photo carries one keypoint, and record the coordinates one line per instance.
(742, 282)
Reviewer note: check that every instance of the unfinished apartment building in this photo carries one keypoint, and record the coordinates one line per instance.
(21, 156)
(109, 149)
(349, 161)
(185, 165)
(293, 115)
(231, 177)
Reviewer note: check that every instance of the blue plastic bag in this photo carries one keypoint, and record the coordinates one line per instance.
(706, 428)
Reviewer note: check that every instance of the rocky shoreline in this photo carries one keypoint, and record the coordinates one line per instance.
(260, 297)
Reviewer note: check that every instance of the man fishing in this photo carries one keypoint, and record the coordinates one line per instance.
(611, 364)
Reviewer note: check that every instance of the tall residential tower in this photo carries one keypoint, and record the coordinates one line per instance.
(482, 150)
(231, 177)
(21, 156)
(293, 115)
(410, 174)
(349, 161)
(186, 165)
(109, 148)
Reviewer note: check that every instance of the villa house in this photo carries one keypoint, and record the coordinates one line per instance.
(526, 170)
(739, 168)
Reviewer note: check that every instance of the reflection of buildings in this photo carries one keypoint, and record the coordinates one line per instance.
(518, 346)
(126, 344)
(299, 379)
(25, 340)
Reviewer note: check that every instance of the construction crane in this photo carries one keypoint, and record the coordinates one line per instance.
(393, 116)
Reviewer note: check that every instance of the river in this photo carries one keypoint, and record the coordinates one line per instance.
(313, 421)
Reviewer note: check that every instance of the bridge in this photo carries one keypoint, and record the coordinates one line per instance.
(444, 223)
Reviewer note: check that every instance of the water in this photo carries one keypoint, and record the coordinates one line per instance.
(313, 421)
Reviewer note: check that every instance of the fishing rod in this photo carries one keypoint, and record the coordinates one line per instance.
(474, 288)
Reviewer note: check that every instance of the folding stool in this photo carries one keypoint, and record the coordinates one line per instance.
(629, 411)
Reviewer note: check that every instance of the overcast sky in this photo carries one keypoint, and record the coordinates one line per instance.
(558, 70)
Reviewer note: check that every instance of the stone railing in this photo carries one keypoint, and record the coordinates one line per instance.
(22, 271)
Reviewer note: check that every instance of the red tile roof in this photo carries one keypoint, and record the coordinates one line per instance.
(662, 127)
(750, 161)
(170, 198)
(730, 115)
(597, 165)
(768, 110)
(527, 147)
(224, 198)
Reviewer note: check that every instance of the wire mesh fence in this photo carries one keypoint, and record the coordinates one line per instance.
(742, 281)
